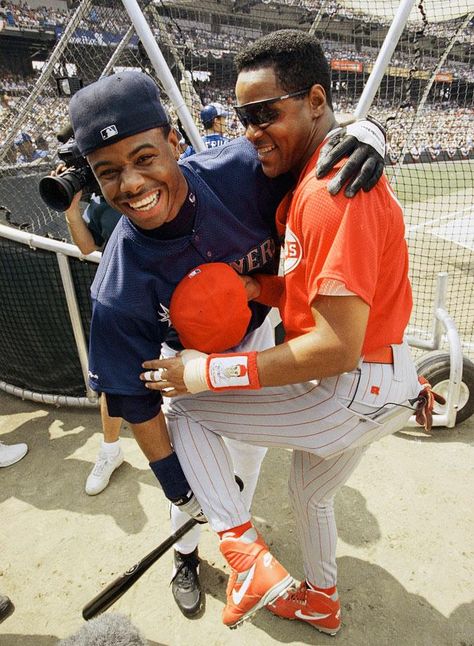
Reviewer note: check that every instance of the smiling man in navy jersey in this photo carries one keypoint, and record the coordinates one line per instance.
(216, 206)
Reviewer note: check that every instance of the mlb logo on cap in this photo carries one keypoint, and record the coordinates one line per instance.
(209, 308)
(108, 132)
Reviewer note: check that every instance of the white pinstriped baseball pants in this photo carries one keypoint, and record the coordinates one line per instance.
(328, 424)
(246, 458)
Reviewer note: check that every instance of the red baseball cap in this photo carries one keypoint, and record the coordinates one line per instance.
(209, 308)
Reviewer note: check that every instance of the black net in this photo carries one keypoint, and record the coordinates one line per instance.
(37, 346)
(425, 100)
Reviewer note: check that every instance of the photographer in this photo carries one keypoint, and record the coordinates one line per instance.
(91, 230)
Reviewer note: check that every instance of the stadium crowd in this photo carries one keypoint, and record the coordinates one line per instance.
(22, 16)
(450, 126)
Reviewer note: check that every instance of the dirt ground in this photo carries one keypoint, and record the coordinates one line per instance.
(405, 551)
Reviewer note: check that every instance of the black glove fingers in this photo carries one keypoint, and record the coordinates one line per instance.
(329, 156)
(348, 171)
(376, 175)
(363, 179)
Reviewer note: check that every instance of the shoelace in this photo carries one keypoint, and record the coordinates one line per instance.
(299, 594)
(101, 464)
(186, 569)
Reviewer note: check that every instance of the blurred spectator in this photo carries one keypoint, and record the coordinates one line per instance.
(213, 118)
(6, 14)
(28, 152)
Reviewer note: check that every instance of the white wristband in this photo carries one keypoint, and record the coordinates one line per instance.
(368, 133)
(194, 375)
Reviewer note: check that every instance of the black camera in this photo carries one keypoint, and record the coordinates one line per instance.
(58, 192)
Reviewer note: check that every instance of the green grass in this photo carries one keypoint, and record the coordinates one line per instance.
(421, 182)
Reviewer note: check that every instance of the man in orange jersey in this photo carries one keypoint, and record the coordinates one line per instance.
(343, 377)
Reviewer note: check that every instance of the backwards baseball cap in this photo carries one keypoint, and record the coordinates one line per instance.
(115, 107)
(211, 111)
(209, 308)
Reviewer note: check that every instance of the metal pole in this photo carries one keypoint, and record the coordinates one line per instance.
(43, 398)
(195, 100)
(118, 52)
(75, 317)
(437, 330)
(40, 242)
(424, 98)
(162, 70)
(383, 59)
(456, 367)
(440, 303)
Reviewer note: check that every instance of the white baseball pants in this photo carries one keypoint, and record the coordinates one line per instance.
(328, 424)
(246, 459)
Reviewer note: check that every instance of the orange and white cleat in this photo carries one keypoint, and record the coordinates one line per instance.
(257, 578)
(323, 611)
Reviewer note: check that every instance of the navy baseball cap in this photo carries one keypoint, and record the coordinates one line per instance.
(113, 108)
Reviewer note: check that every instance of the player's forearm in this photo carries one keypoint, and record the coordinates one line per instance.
(305, 358)
(333, 346)
(80, 234)
(314, 355)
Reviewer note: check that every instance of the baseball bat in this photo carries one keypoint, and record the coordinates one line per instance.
(122, 583)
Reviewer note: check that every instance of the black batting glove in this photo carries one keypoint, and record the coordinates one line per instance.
(364, 143)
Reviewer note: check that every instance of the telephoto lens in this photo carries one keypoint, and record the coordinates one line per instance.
(58, 192)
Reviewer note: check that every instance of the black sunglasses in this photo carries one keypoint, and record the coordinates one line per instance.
(261, 113)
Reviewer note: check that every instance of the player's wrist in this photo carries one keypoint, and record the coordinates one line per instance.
(369, 131)
(74, 218)
(194, 375)
(218, 372)
(232, 370)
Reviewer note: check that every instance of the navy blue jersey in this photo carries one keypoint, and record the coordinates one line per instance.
(234, 206)
(211, 141)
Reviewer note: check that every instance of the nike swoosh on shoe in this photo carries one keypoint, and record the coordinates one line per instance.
(312, 617)
(238, 595)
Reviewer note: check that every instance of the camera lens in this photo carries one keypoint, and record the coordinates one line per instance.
(58, 192)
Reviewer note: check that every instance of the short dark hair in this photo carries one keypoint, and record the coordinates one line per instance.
(166, 129)
(296, 57)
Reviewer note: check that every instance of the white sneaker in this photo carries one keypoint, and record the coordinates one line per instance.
(104, 466)
(11, 453)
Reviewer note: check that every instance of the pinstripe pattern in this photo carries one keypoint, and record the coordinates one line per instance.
(246, 461)
(326, 423)
(246, 458)
(311, 416)
(313, 484)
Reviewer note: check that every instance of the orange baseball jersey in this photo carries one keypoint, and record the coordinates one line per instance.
(359, 242)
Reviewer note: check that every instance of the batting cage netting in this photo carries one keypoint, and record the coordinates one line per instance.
(425, 101)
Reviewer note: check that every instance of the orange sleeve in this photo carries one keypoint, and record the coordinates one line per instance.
(271, 289)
